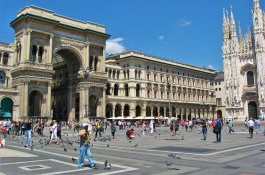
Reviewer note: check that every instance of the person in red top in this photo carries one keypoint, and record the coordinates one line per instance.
(130, 133)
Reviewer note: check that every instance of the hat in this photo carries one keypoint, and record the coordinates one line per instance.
(85, 124)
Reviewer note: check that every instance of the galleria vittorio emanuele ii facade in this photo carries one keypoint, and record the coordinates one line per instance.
(57, 68)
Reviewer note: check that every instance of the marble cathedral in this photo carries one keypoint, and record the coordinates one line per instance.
(244, 65)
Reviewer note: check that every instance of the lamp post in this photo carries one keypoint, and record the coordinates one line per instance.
(85, 72)
(169, 84)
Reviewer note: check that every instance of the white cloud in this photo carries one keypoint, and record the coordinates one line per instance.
(211, 67)
(184, 23)
(161, 37)
(115, 46)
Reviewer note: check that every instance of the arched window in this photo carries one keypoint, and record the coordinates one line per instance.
(108, 89)
(91, 62)
(96, 64)
(137, 90)
(40, 54)
(109, 111)
(250, 78)
(148, 111)
(116, 90)
(2, 78)
(117, 110)
(126, 88)
(155, 112)
(33, 53)
(5, 58)
(126, 111)
(138, 111)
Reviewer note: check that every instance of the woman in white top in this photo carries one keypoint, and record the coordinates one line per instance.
(54, 132)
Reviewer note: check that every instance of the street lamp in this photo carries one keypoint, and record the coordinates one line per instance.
(168, 84)
(85, 72)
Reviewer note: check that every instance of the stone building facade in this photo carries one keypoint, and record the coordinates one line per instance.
(48, 66)
(57, 68)
(244, 66)
(140, 85)
(219, 87)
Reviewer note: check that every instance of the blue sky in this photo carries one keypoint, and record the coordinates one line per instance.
(188, 31)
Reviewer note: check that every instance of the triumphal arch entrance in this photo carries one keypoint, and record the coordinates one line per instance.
(60, 66)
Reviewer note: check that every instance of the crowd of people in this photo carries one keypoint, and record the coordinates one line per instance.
(99, 126)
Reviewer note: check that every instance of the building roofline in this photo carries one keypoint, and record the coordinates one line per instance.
(139, 54)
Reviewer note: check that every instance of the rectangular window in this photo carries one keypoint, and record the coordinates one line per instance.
(155, 94)
(148, 94)
(218, 102)
(161, 78)
(219, 89)
(162, 95)
(148, 77)
(154, 77)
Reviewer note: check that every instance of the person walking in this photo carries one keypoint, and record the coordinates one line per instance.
(144, 128)
(113, 129)
(98, 129)
(217, 130)
(230, 127)
(204, 129)
(251, 127)
(151, 126)
(85, 148)
(54, 130)
(27, 132)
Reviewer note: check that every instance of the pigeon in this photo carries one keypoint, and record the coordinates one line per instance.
(31, 148)
(73, 159)
(40, 141)
(173, 155)
(107, 145)
(168, 163)
(75, 149)
(159, 134)
(65, 150)
(107, 165)
(136, 145)
(130, 141)
(25, 146)
(262, 150)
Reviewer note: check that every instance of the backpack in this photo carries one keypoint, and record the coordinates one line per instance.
(217, 127)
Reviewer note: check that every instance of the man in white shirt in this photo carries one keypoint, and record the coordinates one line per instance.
(251, 127)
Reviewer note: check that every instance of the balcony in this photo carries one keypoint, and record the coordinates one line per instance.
(249, 89)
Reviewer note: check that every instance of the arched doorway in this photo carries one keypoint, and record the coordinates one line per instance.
(161, 111)
(117, 110)
(148, 111)
(126, 110)
(252, 110)
(93, 104)
(6, 108)
(219, 114)
(66, 64)
(109, 110)
(155, 112)
(138, 111)
(35, 101)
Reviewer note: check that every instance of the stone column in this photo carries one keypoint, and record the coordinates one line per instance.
(50, 49)
(113, 110)
(192, 113)
(102, 60)
(2, 58)
(26, 98)
(152, 112)
(104, 102)
(48, 102)
(28, 45)
(122, 111)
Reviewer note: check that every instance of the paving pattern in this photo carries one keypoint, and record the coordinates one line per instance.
(236, 154)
